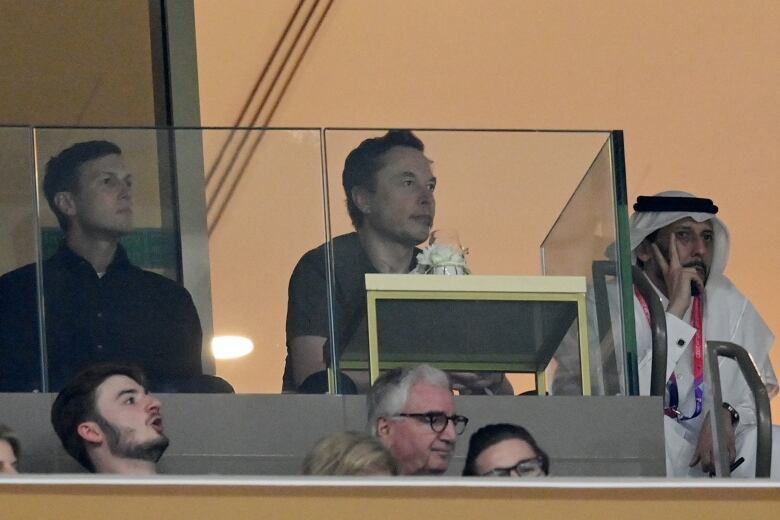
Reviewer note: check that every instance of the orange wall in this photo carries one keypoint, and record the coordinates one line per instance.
(75, 62)
(692, 84)
(360, 502)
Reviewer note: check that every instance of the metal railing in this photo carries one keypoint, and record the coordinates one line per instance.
(714, 350)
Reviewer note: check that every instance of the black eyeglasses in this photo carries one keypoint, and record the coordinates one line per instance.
(525, 468)
(438, 420)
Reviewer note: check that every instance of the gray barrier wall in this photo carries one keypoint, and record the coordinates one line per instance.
(270, 434)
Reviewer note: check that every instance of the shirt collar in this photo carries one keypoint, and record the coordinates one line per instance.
(69, 258)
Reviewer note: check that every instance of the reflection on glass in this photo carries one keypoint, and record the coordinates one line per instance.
(282, 244)
(500, 190)
(104, 232)
(264, 194)
(582, 241)
(231, 347)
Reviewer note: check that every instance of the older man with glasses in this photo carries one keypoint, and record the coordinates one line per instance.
(412, 412)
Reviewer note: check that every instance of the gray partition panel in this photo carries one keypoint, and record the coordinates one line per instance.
(584, 436)
(270, 434)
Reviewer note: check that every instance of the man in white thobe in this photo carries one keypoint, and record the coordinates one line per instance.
(682, 247)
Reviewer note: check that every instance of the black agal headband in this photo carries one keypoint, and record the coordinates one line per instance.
(688, 204)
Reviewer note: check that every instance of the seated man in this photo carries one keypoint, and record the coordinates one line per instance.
(505, 450)
(412, 412)
(682, 247)
(9, 451)
(109, 422)
(98, 306)
(389, 186)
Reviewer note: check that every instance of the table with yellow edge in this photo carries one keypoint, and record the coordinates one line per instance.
(471, 323)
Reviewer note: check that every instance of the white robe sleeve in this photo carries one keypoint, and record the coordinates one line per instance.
(679, 335)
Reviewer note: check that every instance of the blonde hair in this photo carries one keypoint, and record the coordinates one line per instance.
(349, 453)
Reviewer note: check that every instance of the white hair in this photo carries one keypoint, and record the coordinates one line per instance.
(390, 393)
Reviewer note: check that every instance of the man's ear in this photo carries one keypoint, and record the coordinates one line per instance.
(90, 432)
(362, 198)
(65, 202)
(383, 427)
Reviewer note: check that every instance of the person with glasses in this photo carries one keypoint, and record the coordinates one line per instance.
(505, 450)
(411, 411)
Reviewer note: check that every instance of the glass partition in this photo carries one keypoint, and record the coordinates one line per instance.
(590, 238)
(147, 157)
(243, 219)
(496, 194)
(223, 212)
(256, 220)
(20, 355)
(104, 303)
(264, 194)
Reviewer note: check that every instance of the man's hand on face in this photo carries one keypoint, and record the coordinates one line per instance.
(704, 452)
(678, 279)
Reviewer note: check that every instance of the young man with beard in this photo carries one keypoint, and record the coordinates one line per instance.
(109, 422)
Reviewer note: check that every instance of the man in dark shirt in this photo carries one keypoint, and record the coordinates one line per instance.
(389, 185)
(98, 306)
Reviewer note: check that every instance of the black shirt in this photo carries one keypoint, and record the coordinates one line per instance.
(126, 316)
(307, 307)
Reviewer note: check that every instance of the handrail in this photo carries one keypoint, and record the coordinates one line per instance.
(657, 329)
(748, 368)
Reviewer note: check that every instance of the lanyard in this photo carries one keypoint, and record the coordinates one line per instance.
(698, 362)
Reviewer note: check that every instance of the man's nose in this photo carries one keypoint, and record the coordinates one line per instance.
(700, 246)
(448, 433)
(152, 403)
(426, 196)
(126, 190)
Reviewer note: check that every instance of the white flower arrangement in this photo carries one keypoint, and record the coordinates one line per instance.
(442, 259)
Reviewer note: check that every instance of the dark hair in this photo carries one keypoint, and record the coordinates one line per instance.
(8, 435)
(492, 434)
(62, 171)
(76, 403)
(364, 161)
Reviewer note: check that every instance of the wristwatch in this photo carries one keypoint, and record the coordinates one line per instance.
(732, 412)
